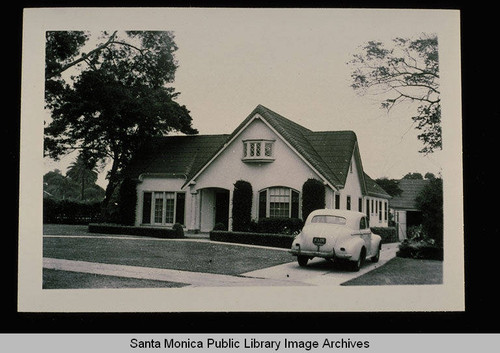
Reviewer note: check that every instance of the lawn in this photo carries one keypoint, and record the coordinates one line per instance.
(56, 279)
(184, 255)
(402, 271)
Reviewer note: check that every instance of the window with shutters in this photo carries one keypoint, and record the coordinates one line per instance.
(163, 207)
(279, 202)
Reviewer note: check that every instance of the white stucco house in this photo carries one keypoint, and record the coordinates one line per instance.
(190, 179)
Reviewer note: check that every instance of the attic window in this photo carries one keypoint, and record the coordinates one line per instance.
(258, 150)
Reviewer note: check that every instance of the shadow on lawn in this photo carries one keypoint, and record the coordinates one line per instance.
(401, 271)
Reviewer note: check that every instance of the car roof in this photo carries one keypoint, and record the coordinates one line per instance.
(335, 212)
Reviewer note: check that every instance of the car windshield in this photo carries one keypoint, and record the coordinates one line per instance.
(328, 219)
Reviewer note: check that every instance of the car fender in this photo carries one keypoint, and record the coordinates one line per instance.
(375, 242)
(352, 245)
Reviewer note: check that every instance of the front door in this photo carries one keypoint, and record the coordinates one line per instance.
(222, 208)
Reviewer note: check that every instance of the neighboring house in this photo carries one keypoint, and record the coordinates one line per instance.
(405, 212)
(190, 179)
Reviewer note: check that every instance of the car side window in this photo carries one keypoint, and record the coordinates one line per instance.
(362, 223)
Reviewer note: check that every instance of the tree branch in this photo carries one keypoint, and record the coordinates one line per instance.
(83, 57)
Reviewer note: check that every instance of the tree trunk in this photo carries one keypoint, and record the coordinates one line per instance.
(110, 188)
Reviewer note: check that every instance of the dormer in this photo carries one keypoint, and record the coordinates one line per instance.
(258, 151)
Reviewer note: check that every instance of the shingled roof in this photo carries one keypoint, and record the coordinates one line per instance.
(329, 152)
(410, 190)
(175, 156)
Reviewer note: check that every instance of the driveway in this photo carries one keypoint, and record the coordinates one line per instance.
(185, 262)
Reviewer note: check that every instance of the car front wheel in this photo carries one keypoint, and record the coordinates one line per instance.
(302, 260)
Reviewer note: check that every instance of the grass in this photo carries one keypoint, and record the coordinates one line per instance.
(57, 279)
(401, 271)
(184, 255)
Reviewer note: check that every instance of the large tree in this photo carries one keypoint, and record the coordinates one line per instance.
(108, 101)
(405, 71)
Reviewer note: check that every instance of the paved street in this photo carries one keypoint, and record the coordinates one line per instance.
(283, 270)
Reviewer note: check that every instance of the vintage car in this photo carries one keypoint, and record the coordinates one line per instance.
(338, 235)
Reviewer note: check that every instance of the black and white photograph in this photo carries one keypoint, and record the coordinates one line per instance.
(241, 160)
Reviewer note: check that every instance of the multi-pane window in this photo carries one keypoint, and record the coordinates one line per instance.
(258, 150)
(161, 207)
(279, 202)
(268, 149)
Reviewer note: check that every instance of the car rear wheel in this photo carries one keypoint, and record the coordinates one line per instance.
(356, 265)
(376, 257)
(302, 260)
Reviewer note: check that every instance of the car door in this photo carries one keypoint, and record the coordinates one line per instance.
(366, 235)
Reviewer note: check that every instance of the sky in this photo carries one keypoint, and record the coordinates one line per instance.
(294, 62)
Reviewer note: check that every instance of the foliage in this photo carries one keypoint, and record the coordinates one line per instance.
(430, 202)
(278, 226)
(117, 98)
(390, 186)
(70, 211)
(420, 249)
(242, 205)
(388, 234)
(413, 176)
(127, 201)
(59, 187)
(313, 196)
(83, 172)
(179, 230)
(406, 72)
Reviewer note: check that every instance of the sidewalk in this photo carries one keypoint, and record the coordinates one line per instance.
(196, 279)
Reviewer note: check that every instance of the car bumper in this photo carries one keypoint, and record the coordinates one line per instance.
(324, 254)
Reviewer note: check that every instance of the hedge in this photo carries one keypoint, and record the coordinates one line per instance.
(176, 232)
(278, 226)
(265, 239)
(388, 234)
(70, 212)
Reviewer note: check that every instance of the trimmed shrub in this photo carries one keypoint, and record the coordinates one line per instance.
(388, 234)
(279, 225)
(313, 196)
(166, 233)
(220, 226)
(264, 239)
(242, 205)
(179, 230)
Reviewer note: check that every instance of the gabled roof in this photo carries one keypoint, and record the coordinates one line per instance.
(411, 188)
(373, 189)
(328, 152)
(175, 156)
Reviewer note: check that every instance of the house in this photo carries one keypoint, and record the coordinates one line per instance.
(190, 179)
(403, 208)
